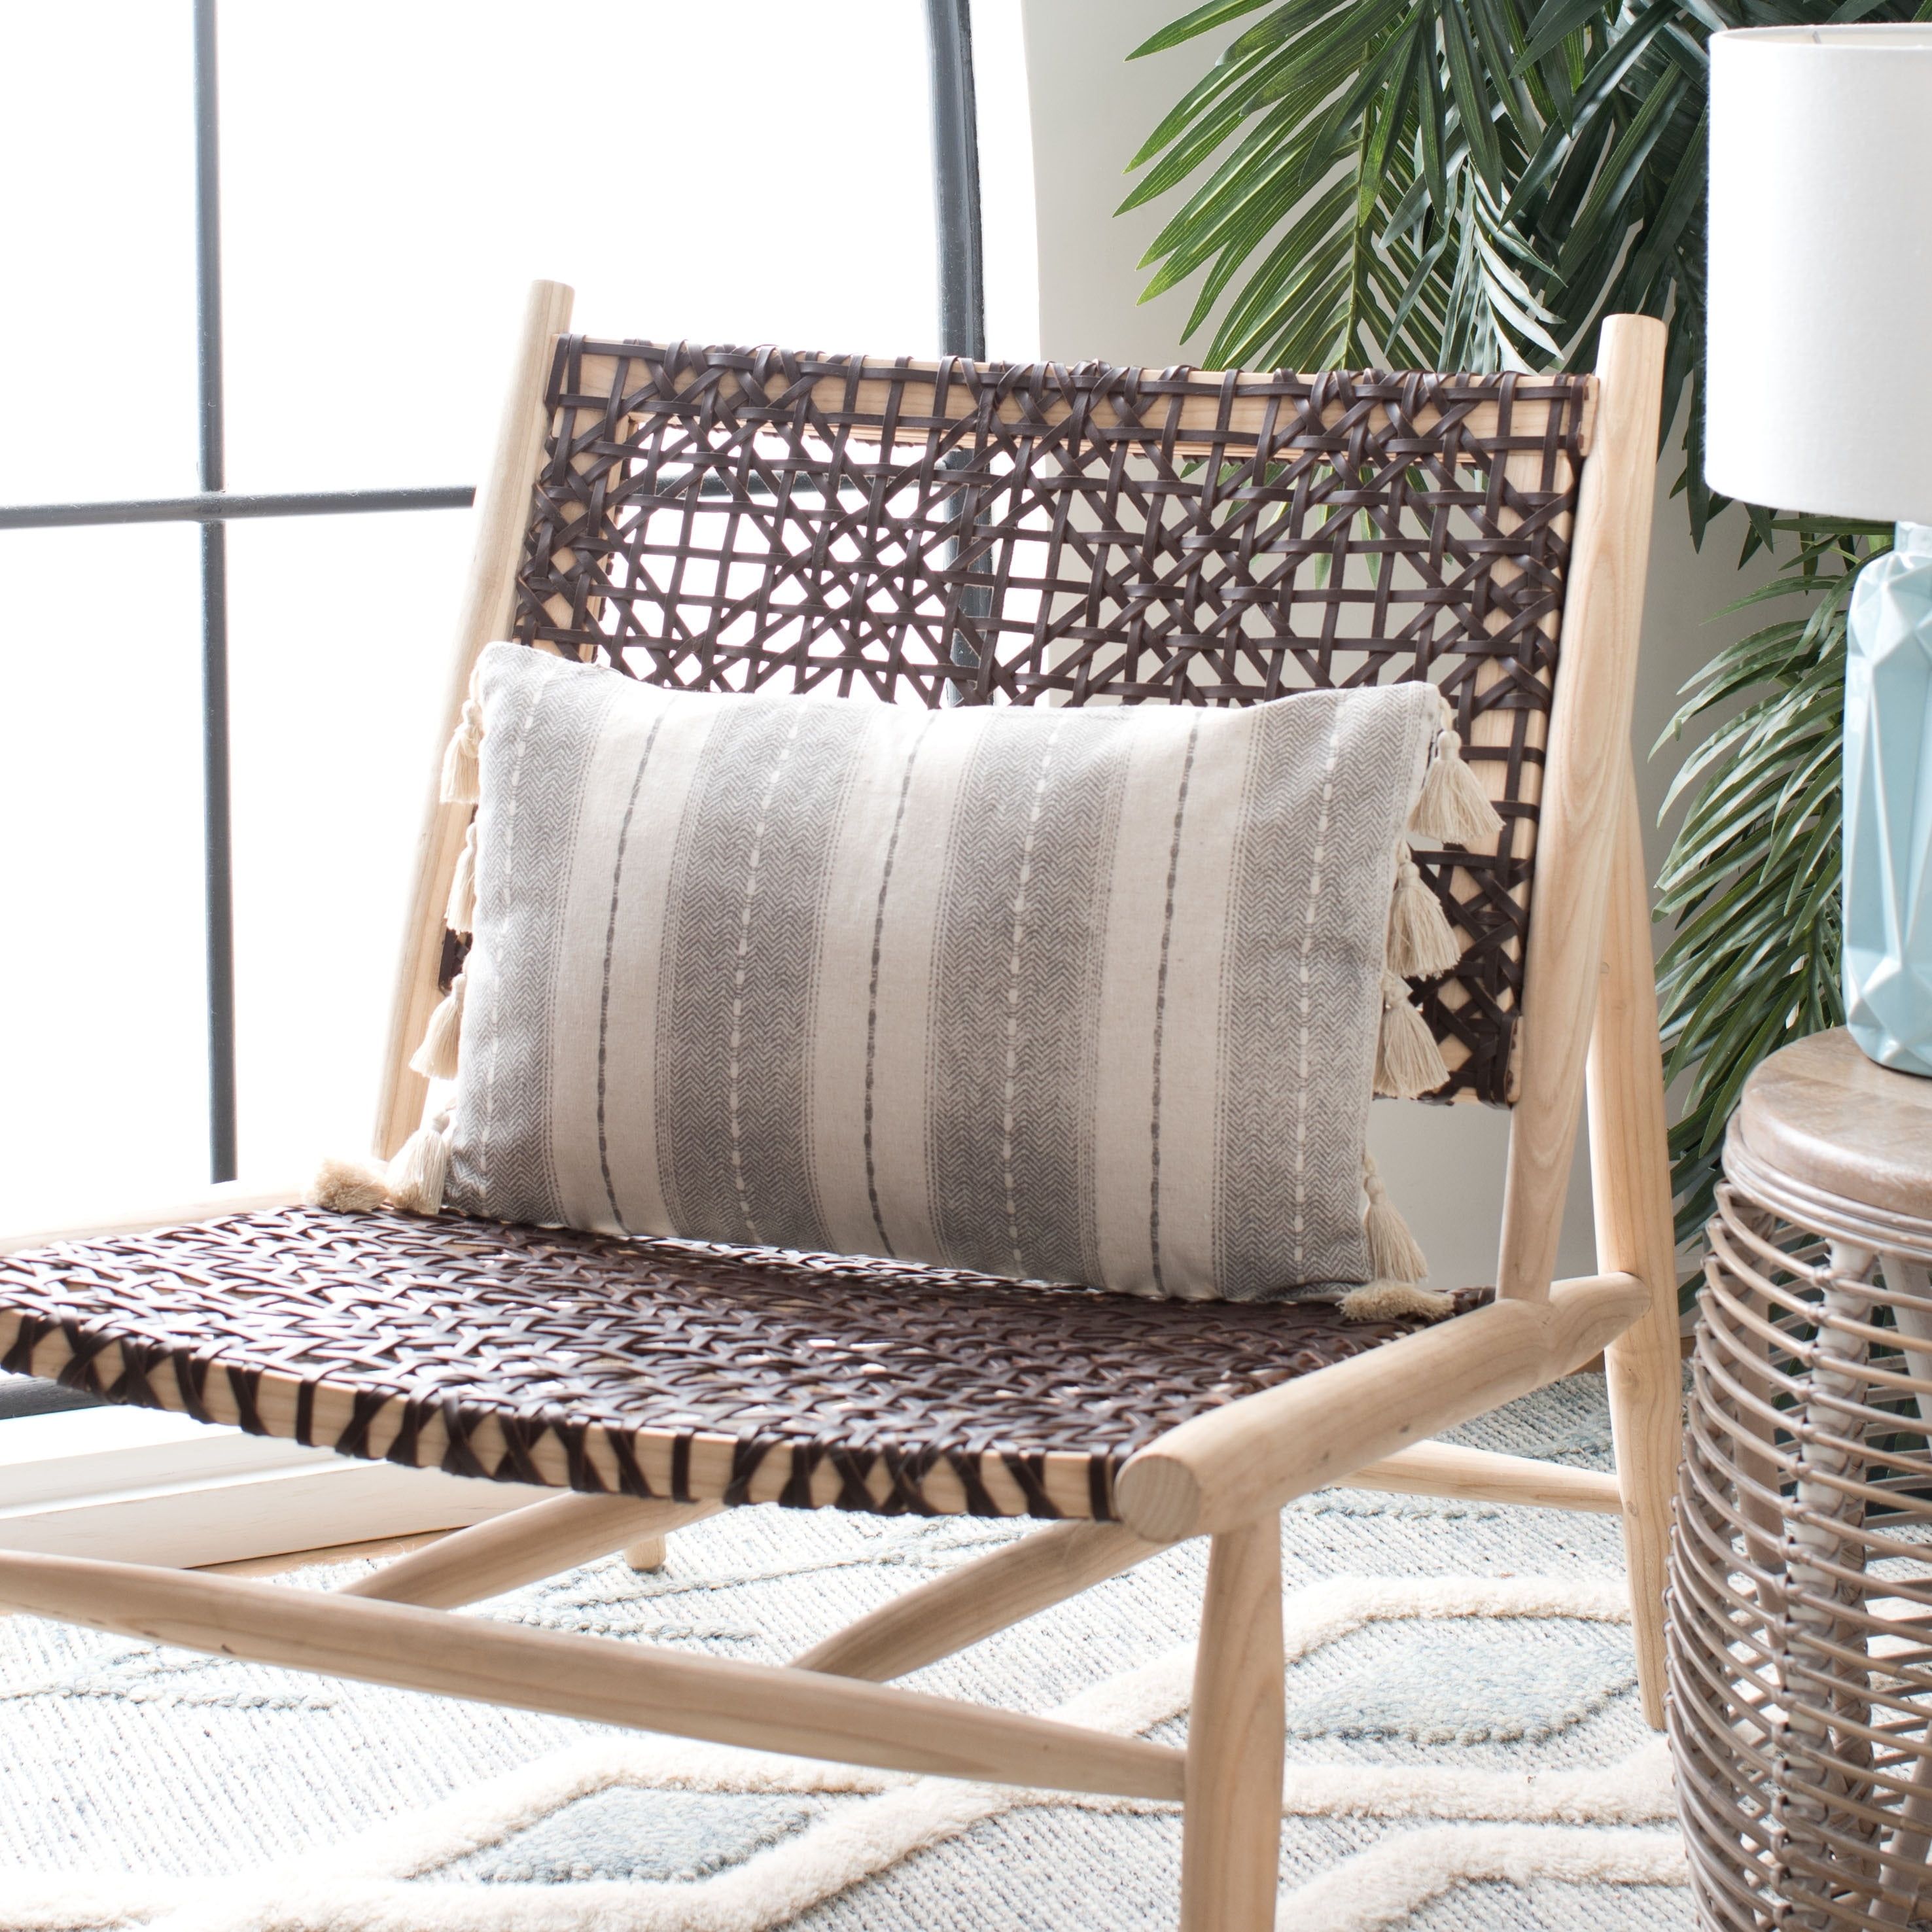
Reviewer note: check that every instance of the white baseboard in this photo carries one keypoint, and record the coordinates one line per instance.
(136, 1486)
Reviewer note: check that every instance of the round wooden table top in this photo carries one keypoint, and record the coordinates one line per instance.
(1821, 1115)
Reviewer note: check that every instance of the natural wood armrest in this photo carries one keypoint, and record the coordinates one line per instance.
(220, 1198)
(1224, 1467)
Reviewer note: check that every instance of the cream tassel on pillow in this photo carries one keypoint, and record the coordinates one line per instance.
(1421, 942)
(460, 915)
(348, 1187)
(1389, 1300)
(436, 1056)
(1408, 1063)
(460, 773)
(1392, 1251)
(1398, 1262)
(1453, 806)
(416, 1176)
(413, 1181)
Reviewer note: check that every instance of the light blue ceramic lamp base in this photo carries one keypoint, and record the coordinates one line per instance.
(1888, 806)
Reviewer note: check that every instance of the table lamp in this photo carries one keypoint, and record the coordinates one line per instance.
(1818, 397)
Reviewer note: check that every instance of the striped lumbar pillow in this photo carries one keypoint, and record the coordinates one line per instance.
(1093, 995)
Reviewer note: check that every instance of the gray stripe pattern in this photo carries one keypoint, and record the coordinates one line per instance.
(609, 957)
(1064, 994)
(872, 989)
(1160, 1011)
(525, 852)
(741, 956)
(1292, 854)
(1010, 1066)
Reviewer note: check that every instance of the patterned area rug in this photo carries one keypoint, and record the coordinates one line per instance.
(1465, 1751)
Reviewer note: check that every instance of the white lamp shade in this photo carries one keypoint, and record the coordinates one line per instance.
(1819, 371)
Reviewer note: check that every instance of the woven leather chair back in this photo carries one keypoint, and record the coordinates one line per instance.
(735, 519)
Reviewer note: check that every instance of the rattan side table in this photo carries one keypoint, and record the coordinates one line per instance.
(1800, 1636)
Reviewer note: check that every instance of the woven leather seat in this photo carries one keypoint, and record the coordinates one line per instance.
(653, 1368)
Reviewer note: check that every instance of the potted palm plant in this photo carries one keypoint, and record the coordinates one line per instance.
(1474, 183)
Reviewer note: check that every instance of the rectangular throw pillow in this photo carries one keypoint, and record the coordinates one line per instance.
(1093, 995)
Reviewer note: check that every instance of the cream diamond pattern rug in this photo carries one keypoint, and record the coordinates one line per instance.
(1465, 1751)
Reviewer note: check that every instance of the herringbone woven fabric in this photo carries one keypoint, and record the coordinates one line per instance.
(1060, 994)
(719, 518)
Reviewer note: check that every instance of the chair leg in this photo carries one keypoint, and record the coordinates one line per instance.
(1644, 1372)
(1231, 1832)
(1629, 1173)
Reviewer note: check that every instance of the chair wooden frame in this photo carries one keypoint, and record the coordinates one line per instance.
(1589, 1030)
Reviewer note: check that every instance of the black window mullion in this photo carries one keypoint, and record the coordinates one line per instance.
(217, 836)
(956, 180)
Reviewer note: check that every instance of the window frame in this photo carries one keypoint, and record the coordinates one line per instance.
(961, 293)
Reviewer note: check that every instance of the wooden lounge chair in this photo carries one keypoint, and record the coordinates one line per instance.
(947, 534)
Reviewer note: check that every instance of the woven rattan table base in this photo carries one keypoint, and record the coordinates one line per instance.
(655, 1368)
(1800, 1629)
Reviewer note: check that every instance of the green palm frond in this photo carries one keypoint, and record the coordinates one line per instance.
(1475, 184)
(1365, 150)
(1752, 880)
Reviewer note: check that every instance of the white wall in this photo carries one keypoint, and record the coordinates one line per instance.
(1091, 109)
